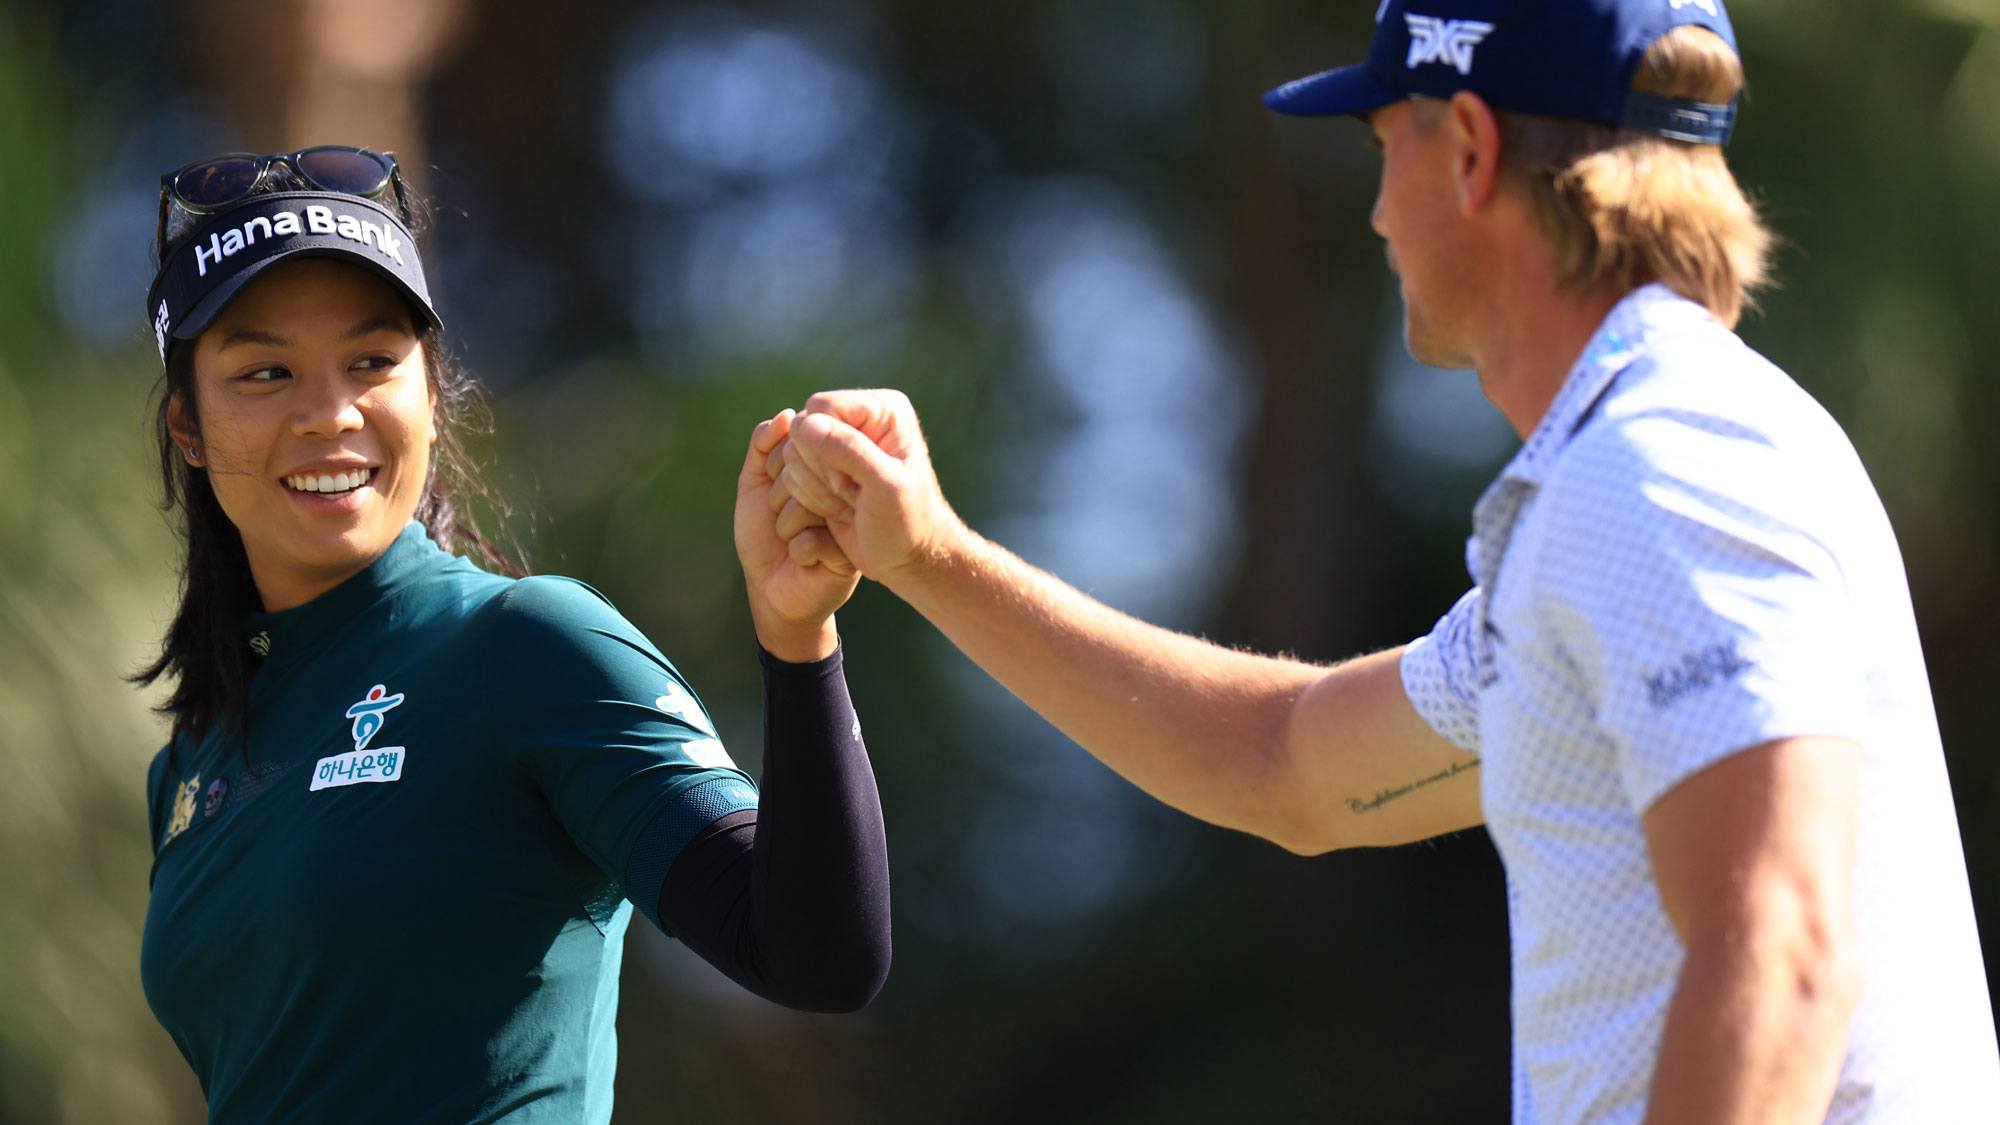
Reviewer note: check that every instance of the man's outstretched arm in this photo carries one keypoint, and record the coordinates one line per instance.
(1312, 758)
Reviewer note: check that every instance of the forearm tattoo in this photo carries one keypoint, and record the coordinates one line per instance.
(1359, 806)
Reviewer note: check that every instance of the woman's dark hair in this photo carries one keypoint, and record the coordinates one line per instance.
(204, 651)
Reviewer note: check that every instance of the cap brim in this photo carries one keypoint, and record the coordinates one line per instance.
(1333, 93)
(211, 306)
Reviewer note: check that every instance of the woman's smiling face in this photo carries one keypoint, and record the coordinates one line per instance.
(315, 423)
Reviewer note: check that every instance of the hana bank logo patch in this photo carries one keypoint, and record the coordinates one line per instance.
(363, 764)
(367, 714)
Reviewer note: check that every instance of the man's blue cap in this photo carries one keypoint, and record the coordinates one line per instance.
(1557, 58)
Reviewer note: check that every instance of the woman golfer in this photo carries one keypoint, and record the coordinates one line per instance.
(409, 793)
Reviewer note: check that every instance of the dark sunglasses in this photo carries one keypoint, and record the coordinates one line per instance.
(215, 182)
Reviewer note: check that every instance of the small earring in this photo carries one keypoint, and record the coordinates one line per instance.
(193, 452)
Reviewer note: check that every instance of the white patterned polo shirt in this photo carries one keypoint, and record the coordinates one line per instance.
(1685, 560)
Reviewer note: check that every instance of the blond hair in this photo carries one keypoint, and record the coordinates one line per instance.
(1621, 207)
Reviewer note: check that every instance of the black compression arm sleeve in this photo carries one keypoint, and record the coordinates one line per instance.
(791, 900)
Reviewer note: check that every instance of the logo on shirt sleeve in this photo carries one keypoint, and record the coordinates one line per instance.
(182, 814)
(706, 752)
(681, 704)
(1693, 672)
(363, 764)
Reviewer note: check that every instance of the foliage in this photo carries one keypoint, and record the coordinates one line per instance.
(82, 588)
(1227, 979)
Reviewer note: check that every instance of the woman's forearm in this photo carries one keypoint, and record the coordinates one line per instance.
(792, 900)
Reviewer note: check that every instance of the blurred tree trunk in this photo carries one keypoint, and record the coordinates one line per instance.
(294, 73)
(1303, 280)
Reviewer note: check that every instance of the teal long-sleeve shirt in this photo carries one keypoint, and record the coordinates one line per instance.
(407, 901)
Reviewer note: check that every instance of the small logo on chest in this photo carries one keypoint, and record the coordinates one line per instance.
(363, 764)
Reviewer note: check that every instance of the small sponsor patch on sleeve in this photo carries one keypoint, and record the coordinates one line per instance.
(708, 752)
(681, 704)
(358, 767)
(1697, 670)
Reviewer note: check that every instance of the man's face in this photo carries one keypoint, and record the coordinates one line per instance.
(315, 423)
(1417, 214)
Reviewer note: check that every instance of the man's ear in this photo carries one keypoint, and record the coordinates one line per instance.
(1475, 134)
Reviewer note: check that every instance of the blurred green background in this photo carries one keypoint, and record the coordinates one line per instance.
(1156, 349)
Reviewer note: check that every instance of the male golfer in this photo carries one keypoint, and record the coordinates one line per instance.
(1685, 693)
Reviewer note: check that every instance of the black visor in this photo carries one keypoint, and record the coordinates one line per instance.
(234, 245)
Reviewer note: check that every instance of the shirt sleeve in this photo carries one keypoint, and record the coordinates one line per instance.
(156, 794)
(605, 726)
(1688, 580)
(1440, 674)
(792, 900)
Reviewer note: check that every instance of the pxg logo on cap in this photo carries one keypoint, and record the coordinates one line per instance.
(1451, 41)
(234, 245)
(1557, 58)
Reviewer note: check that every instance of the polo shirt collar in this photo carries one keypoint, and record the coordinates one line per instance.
(1625, 334)
(286, 636)
(1618, 341)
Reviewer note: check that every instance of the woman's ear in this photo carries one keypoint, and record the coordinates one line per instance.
(431, 389)
(181, 428)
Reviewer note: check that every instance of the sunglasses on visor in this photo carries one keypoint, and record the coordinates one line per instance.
(215, 182)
